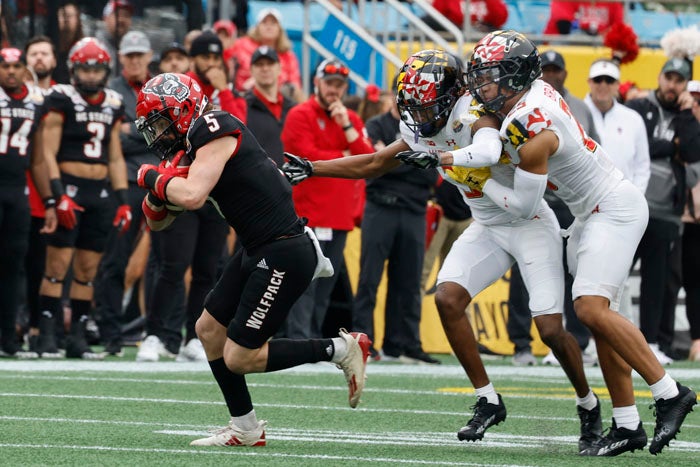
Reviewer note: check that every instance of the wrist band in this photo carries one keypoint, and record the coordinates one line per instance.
(49, 202)
(56, 187)
(347, 127)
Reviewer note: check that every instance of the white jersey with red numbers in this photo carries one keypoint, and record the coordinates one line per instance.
(455, 135)
(579, 172)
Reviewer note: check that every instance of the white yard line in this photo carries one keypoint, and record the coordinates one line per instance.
(535, 372)
(261, 453)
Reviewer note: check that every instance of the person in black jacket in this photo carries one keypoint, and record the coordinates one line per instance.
(134, 55)
(674, 136)
(267, 106)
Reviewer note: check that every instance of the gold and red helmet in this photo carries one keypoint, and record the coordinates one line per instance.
(428, 86)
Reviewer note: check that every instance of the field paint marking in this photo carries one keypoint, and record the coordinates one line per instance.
(514, 392)
(259, 452)
(429, 371)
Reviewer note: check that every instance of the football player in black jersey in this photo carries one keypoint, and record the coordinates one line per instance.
(20, 112)
(264, 278)
(82, 149)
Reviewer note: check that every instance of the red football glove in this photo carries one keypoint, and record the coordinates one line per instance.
(153, 208)
(65, 211)
(122, 219)
(173, 167)
(144, 173)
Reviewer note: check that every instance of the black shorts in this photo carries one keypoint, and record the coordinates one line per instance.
(94, 224)
(258, 287)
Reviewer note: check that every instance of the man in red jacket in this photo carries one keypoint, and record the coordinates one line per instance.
(322, 129)
(207, 68)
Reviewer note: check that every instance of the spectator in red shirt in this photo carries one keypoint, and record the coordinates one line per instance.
(207, 68)
(268, 31)
(486, 15)
(322, 128)
(592, 17)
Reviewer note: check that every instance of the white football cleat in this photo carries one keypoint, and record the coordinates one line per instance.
(192, 352)
(231, 435)
(151, 349)
(354, 363)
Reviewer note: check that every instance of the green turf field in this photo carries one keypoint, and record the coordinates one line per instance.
(119, 412)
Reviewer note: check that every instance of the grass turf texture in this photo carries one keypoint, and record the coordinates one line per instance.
(120, 412)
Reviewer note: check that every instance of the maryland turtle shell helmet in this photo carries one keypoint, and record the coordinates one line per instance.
(428, 86)
(507, 59)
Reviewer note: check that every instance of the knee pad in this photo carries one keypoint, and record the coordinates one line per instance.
(83, 283)
(53, 280)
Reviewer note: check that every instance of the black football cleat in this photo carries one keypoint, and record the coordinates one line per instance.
(591, 426)
(485, 416)
(669, 417)
(617, 441)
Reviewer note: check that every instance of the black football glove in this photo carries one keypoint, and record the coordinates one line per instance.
(297, 169)
(420, 159)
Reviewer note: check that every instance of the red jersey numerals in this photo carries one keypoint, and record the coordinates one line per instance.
(587, 141)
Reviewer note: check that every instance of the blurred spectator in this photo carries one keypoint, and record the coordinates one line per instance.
(189, 37)
(207, 68)
(269, 31)
(267, 107)
(371, 105)
(592, 17)
(456, 216)
(485, 15)
(227, 32)
(174, 59)
(41, 59)
(673, 133)
(20, 128)
(621, 130)
(116, 17)
(134, 55)
(393, 231)
(70, 31)
(322, 128)
(629, 90)
(520, 319)
(691, 248)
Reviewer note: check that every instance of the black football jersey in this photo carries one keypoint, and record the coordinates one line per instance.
(87, 126)
(252, 194)
(19, 119)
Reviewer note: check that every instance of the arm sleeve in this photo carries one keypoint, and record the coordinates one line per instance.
(525, 197)
(484, 151)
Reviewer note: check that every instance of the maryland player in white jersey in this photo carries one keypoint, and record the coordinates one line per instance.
(549, 147)
(438, 115)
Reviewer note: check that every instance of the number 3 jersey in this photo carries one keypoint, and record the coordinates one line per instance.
(19, 118)
(455, 135)
(87, 124)
(580, 173)
(251, 193)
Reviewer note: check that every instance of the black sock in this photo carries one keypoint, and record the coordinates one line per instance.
(288, 353)
(80, 309)
(233, 387)
(49, 307)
